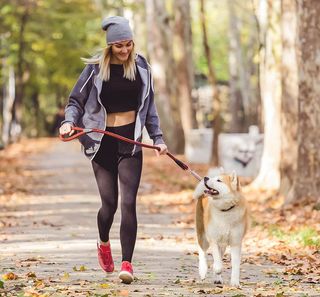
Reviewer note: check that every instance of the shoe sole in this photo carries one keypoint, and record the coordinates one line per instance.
(126, 277)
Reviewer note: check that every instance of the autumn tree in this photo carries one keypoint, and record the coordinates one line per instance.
(235, 60)
(159, 31)
(307, 177)
(289, 98)
(268, 14)
(216, 102)
(44, 50)
(184, 64)
(244, 102)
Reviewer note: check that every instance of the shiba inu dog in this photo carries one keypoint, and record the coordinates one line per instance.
(221, 221)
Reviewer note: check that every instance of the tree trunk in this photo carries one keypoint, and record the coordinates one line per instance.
(8, 102)
(184, 65)
(270, 85)
(307, 178)
(289, 102)
(236, 103)
(39, 122)
(160, 53)
(216, 96)
(20, 82)
(140, 28)
(252, 69)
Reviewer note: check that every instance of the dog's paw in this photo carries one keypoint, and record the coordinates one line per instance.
(203, 266)
(202, 276)
(202, 273)
(235, 283)
(217, 279)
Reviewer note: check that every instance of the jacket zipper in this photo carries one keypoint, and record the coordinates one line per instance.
(86, 81)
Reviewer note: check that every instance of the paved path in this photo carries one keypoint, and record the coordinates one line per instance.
(54, 236)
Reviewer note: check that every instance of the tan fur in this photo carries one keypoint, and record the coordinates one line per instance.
(202, 219)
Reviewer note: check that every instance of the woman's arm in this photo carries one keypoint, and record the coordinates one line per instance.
(153, 122)
(78, 96)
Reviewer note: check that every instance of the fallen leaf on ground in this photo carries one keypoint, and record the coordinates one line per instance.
(81, 268)
(10, 276)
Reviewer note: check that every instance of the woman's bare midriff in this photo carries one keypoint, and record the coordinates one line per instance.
(121, 118)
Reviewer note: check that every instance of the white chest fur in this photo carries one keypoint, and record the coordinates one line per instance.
(225, 227)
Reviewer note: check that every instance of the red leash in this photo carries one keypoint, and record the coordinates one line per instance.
(83, 131)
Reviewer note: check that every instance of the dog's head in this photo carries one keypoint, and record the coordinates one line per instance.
(217, 186)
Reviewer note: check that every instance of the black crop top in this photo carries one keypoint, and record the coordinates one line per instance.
(119, 93)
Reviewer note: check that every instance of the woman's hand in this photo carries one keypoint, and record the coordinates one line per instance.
(65, 129)
(163, 149)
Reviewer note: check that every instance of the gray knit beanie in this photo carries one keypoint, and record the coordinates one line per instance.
(117, 29)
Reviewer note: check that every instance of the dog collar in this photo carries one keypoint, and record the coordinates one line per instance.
(228, 208)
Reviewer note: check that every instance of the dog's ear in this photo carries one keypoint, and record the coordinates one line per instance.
(199, 190)
(235, 181)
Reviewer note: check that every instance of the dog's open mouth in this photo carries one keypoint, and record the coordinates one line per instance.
(211, 192)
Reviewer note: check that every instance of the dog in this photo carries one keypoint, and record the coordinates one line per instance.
(221, 221)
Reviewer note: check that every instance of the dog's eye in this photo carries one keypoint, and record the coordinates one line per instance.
(218, 180)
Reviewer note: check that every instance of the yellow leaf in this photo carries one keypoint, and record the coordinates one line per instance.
(10, 276)
(39, 284)
(31, 274)
(81, 268)
(65, 276)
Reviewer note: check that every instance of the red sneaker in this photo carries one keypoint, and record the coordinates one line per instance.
(105, 257)
(126, 273)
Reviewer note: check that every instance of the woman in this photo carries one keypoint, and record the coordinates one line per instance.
(115, 92)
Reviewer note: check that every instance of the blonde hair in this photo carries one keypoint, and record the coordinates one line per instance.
(103, 58)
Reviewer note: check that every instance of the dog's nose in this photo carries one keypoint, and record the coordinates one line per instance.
(206, 179)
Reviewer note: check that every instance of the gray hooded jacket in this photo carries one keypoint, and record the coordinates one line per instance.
(85, 109)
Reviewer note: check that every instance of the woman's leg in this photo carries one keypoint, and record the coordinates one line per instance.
(129, 168)
(106, 173)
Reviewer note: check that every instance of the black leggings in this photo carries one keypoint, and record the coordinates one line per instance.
(114, 160)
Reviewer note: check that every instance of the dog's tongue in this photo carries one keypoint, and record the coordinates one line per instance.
(212, 192)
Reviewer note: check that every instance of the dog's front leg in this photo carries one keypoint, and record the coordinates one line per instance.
(203, 265)
(217, 264)
(235, 262)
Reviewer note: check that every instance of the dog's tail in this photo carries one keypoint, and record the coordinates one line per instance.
(201, 234)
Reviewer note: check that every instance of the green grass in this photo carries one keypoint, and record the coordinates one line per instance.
(306, 236)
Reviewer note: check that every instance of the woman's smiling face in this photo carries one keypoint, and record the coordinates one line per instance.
(121, 51)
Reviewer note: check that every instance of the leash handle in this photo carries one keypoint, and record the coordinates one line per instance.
(184, 166)
(81, 132)
(178, 162)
